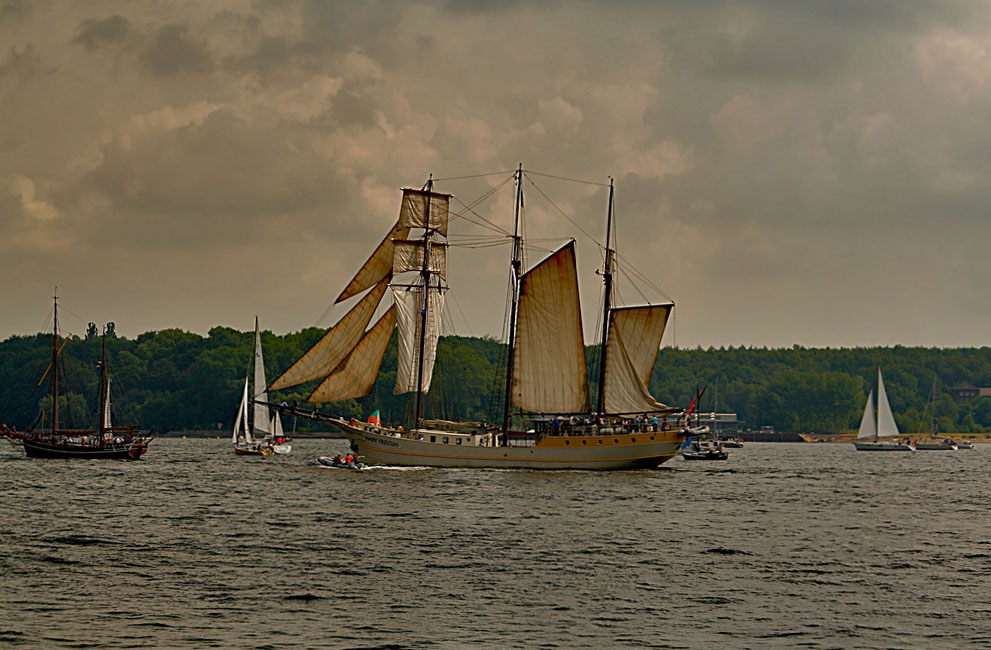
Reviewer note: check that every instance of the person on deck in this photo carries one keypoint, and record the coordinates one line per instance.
(349, 459)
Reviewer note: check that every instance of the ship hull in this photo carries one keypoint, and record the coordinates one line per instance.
(42, 449)
(884, 446)
(641, 450)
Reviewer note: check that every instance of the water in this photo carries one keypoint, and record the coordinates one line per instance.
(781, 546)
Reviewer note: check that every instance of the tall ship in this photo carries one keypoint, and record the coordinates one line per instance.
(548, 421)
(104, 440)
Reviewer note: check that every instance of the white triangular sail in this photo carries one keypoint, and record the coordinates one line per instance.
(412, 213)
(336, 344)
(408, 256)
(378, 267)
(355, 376)
(635, 335)
(886, 427)
(868, 423)
(261, 415)
(241, 421)
(408, 317)
(549, 373)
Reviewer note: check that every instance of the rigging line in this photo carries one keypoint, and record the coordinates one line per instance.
(565, 178)
(461, 178)
(642, 277)
(563, 213)
(457, 306)
(484, 197)
(634, 285)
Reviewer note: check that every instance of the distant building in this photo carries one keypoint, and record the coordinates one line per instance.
(965, 392)
(719, 421)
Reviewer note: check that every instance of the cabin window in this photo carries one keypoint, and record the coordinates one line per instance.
(457, 441)
(445, 440)
(433, 438)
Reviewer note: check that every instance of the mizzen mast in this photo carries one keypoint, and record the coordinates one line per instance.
(516, 266)
(607, 272)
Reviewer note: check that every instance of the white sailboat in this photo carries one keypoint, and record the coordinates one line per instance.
(546, 370)
(875, 425)
(267, 437)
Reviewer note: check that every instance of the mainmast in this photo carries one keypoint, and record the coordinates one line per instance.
(103, 386)
(607, 272)
(424, 302)
(516, 265)
(55, 366)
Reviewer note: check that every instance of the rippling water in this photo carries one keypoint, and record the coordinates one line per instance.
(782, 546)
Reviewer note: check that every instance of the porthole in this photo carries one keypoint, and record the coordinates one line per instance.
(652, 437)
(633, 440)
(567, 442)
(615, 441)
(600, 441)
(584, 442)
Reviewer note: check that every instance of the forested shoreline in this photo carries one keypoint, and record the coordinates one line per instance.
(173, 380)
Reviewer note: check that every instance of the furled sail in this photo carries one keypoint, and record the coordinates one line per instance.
(376, 268)
(886, 427)
(408, 256)
(339, 340)
(868, 425)
(549, 373)
(413, 213)
(408, 317)
(635, 335)
(262, 426)
(107, 420)
(355, 376)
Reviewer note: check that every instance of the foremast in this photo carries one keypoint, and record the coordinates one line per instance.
(516, 266)
(607, 272)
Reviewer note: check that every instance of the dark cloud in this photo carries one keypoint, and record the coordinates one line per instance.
(173, 51)
(93, 33)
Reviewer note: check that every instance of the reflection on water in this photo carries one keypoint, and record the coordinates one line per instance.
(783, 545)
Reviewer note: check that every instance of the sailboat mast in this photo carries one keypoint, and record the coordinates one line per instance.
(516, 266)
(55, 366)
(103, 385)
(424, 302)
(607, 282)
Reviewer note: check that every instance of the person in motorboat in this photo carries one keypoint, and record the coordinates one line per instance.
(338, 460)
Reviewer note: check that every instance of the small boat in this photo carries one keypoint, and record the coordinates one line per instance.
(734, 443)
(267, 437)
(934, 442)
(330, 462)
(704, 449)
(873, 426)
(965, 444)
(104, 441)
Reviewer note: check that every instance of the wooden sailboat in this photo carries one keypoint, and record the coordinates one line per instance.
(267, 437)
(546, 377)
(875, 425)
(103, 441)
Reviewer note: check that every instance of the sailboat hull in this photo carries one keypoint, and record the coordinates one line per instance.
(884, 446)
(642, 450)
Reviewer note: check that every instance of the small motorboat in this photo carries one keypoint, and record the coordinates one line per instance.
(329, 462)
(704, 449)
(735, 443)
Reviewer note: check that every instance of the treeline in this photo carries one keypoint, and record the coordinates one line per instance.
(174, 380)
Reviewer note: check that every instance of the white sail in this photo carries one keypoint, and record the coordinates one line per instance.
(549, 373)
(261, 416)
(336, 344)
(241, 421)
(635, 335)
(868, 423)
(886, 427)
(107, 420)
(412, 213)
(408, 318)
(408, 256)
(378, 267)
(276, 424)
(355, 376)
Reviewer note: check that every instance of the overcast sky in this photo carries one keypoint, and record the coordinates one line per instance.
(788, 172)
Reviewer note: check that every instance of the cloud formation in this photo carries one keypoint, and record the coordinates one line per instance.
(812, 173)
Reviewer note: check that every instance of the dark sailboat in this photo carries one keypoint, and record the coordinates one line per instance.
(103, 441)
